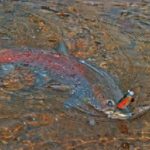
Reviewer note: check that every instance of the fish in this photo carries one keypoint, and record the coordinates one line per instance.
(91, 87)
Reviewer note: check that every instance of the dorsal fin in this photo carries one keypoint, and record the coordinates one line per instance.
(61, 48)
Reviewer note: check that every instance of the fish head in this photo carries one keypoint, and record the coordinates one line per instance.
(109, 108)
(108, 93)
(108, 102)
(117, 114)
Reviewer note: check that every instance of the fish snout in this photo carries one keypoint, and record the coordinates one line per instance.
(118, 114)
(111, 110)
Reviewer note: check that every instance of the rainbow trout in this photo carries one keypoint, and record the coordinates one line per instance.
(92, 87)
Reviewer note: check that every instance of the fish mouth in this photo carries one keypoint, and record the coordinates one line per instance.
(121, 115)
(118, 115)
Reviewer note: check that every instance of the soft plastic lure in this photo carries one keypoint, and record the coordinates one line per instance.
(70, 71)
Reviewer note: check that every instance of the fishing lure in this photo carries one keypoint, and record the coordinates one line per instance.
(126, 100)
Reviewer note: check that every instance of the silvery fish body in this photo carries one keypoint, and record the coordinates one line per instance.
(91, 86)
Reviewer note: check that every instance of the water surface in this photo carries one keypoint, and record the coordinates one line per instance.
(115, 35)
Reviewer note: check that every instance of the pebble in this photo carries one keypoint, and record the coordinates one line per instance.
(91, 121)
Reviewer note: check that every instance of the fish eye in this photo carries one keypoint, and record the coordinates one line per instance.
(110, 103)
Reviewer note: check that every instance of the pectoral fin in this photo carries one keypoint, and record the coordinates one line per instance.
(42, 77)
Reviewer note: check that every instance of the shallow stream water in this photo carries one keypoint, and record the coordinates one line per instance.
(114, 35)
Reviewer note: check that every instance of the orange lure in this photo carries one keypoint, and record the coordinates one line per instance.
(126, 100)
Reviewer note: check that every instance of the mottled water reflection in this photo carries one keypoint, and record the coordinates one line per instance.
(114, 35)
